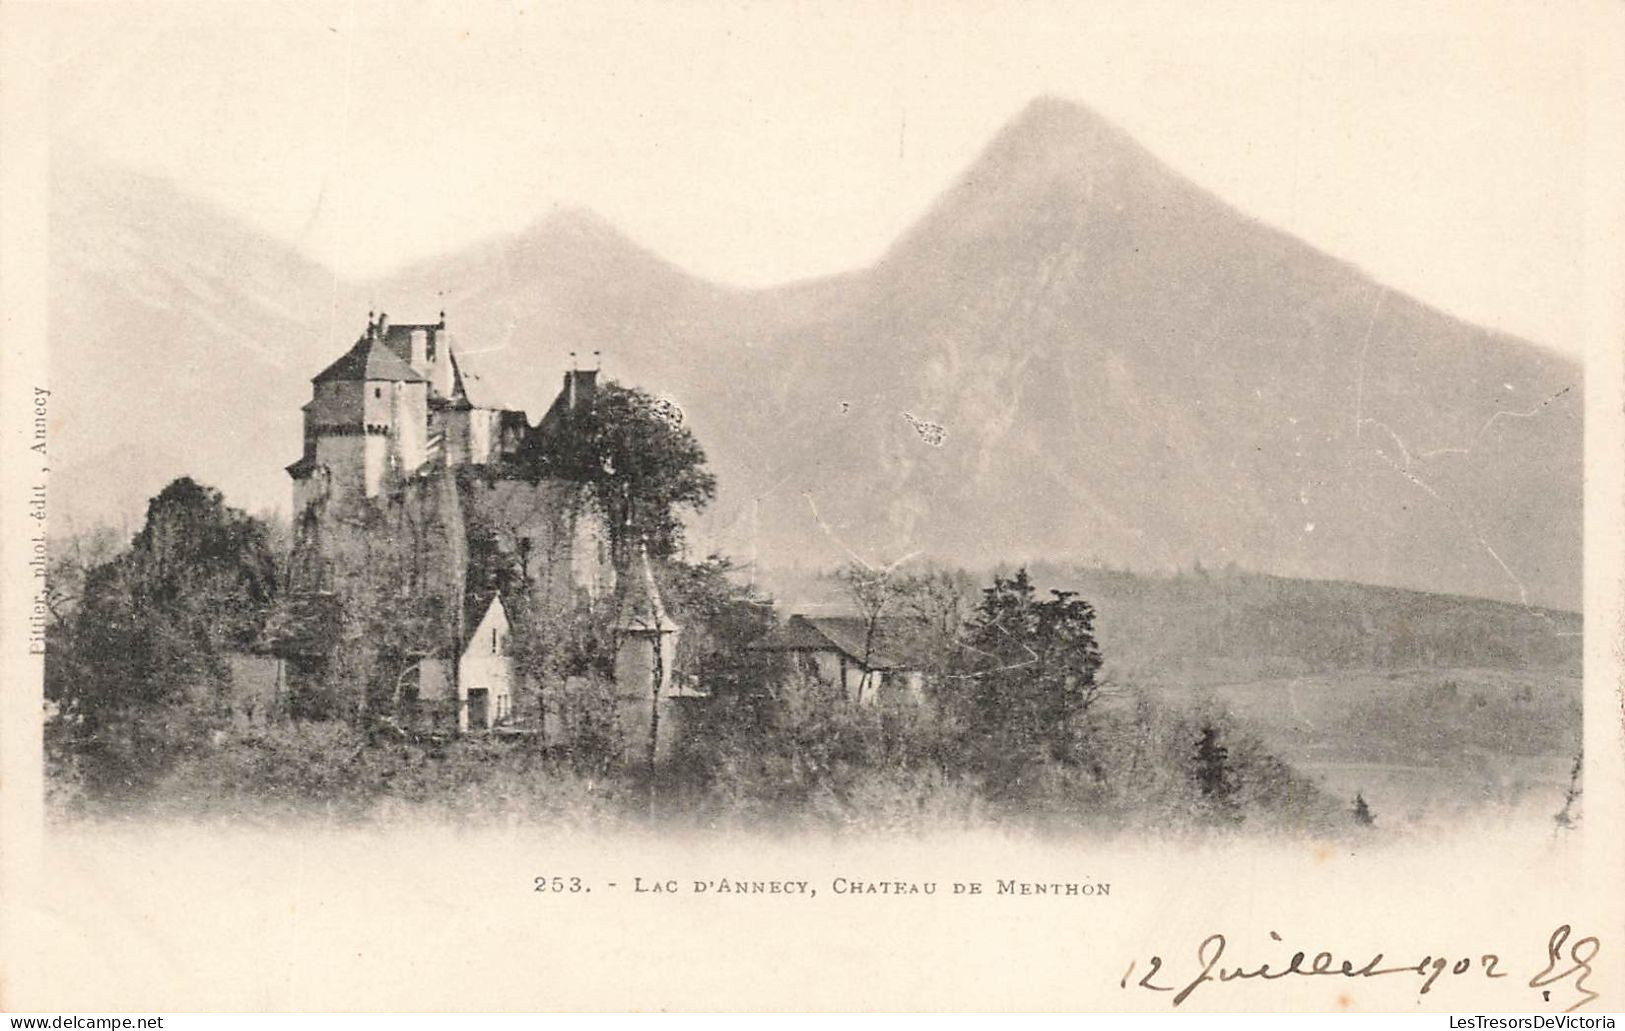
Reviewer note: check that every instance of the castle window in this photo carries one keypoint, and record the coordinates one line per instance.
(493, 639)
(377, 391)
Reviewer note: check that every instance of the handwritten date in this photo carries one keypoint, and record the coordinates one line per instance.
(1566, 965)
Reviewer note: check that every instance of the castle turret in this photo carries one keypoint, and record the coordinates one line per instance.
(645, 652)
(647, 636)
(367, 416)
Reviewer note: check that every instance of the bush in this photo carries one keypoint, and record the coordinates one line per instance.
(330, 769)
(805, 756)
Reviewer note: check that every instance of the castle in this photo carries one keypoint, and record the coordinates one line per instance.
(395, 403)
(421, 536)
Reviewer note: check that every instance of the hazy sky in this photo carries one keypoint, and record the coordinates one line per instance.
(754, 143)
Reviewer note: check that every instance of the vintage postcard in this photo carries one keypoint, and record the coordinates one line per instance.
(857, 506)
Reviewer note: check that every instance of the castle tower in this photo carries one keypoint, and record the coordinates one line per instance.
(367, 418)
(647, 637)
(645, 652)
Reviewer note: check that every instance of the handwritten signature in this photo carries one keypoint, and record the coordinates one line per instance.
(1566, 964)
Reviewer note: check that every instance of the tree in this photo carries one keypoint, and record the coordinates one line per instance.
(875, 594)
(1215, 775)
(1030, 672)
(141, 656)
(932, 607)
(719, 616)
(920, 614)
(1362, 811)
(72, 560)
(387, 634)
(646, 467)
(197, 558)
(198, 580)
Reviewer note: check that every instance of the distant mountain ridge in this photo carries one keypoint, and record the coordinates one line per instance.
(1122, 367)
(1203, 627)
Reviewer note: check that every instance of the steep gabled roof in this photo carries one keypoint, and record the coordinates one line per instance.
(467, 385)
(369, 359)
(844, 634)
(477, 605)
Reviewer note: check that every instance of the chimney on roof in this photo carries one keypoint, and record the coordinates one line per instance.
(383, 324)
(579, 386)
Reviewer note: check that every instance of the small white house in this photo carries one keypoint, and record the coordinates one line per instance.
(485, 672)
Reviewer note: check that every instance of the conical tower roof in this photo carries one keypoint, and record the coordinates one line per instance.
(641, 608)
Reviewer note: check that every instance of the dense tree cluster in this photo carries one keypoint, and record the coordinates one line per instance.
(142, 652)
(1015, 724)
(1029, 674)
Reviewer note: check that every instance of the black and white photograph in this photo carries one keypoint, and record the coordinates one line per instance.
(1069, 439)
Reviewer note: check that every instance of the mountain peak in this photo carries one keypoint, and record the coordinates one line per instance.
(579, 221)
(1047, 168)
(1048, 113)
(579, 235)
(1053, 136)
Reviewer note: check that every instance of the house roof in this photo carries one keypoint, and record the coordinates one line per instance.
(469, 385)
(369, 359)
(478, 604)
(848, 635)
